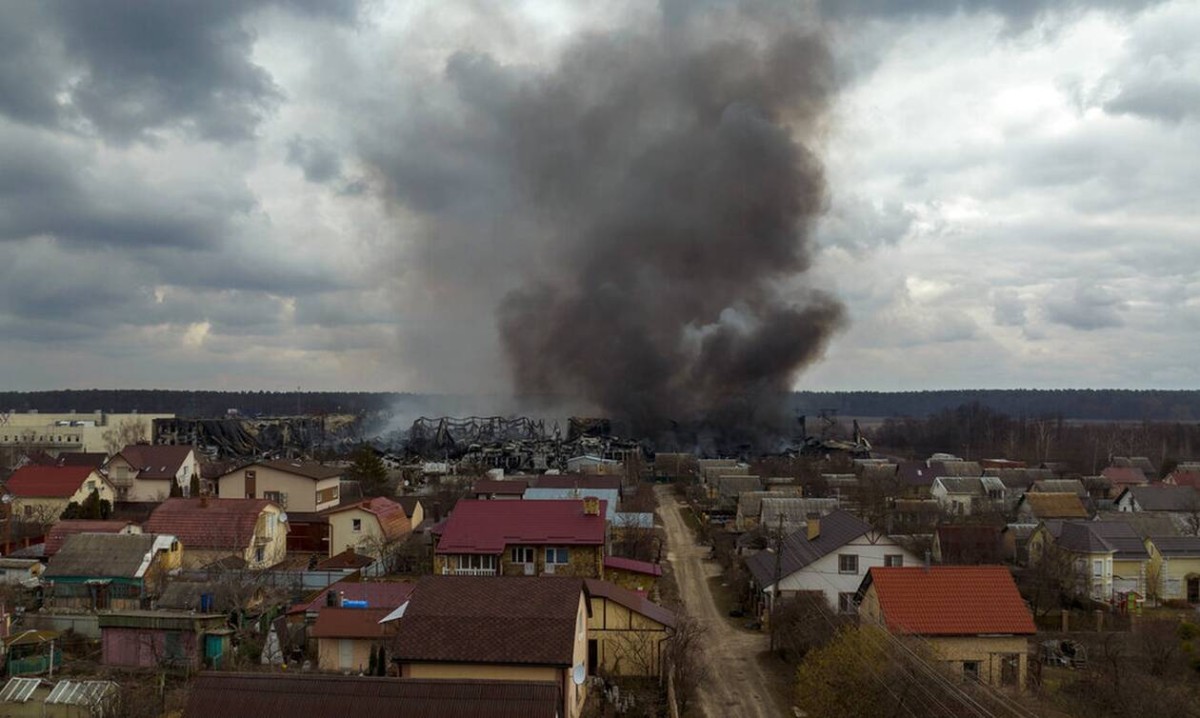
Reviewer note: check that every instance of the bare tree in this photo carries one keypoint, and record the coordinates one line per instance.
(127, 431)
(687, 669)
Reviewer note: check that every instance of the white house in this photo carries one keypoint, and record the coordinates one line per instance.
(830, 555)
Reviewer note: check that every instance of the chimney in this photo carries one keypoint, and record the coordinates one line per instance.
(814, 526)
(591, 506)
(204, 501)
(331, 598)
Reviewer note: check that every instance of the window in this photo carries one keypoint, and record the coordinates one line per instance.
(1098, 567)
(522, 554)
(971, 670)
(28, 511)
(846, 603)
(893, 559)
(251, 474)
(259, 555)
(1010, 669)
(276, 496)
(476, 562)
(556, 556)
(847, 563)
(356, 525)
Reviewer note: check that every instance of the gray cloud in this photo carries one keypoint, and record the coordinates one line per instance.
(317, 158)
(1008, 309)
(1085, 306)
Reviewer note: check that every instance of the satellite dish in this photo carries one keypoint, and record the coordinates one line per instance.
(579, 675)
(283, 516)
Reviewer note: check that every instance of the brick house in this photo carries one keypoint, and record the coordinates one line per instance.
(971, 617)
(523, 538)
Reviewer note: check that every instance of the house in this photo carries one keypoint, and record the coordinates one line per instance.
(588, 464)
(144, 472)
(790, 514)
(1180, 503)
(20, 571)
(413, 509)
(1175, 567)
(829, 555)
(749, 505)
(110, 571)
(626, 633)
(1104, 559)
(728, 488)
(41, 493)
(293, 485)
(967, 544)
(261, 695)
(509, 489)
(32, 652)
(966, 495)
(41, 698)
(1060, 486)
(634, 575)
(58, 533)
(1123, 477)
(523, 538)
(610, 496)
(347, 637)
(153, 639)
(972, 617)
(498, 628)
(1041, 539)
(578, 481)
(91, 459)
(1037, 506)
(1014, 543)
(375, 594)
(914, 479)
(252, 530)
(368, 527)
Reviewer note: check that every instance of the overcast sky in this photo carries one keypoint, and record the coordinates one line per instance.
(205, 195)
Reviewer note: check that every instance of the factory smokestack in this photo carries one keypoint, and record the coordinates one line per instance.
(650, 200)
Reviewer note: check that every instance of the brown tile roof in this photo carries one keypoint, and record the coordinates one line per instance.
(1124, 476)
(490, 619)
(345, 559)
(630, 600)
(155, 461)
(377, 594)
(60, 531)
(1047, 505)
(94, 459)
(223, 524)
(308, 469)
(487, 527)
(950, 600)
(333, 622)
(272, 695)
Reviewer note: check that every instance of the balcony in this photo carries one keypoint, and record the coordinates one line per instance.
(448, 571)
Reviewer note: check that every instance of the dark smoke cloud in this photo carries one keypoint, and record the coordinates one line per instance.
(652, 197)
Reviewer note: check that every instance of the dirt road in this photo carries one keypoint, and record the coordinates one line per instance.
(737, 685)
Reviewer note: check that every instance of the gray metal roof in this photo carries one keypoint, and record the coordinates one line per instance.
(837, 529)
(102, 556)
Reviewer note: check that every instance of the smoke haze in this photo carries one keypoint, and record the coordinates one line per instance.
(636, 219)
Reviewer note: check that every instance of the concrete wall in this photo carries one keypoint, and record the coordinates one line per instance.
(40, 431)
(145, 648)
(84, 624)
(329, 652)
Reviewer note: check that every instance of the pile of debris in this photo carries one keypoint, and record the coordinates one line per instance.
(235, 437)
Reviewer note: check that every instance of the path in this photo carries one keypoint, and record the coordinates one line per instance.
(736, 684)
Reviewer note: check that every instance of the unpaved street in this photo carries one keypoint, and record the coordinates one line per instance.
(736, 685)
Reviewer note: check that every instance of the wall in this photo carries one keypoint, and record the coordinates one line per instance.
(87, 625)
(301, 491)
(40, 431)
(342, 535)
(329, 654)
(144, 648)
(274, 551)
(481, 672)
(1173, 574)
(583, 562)
(628, 643)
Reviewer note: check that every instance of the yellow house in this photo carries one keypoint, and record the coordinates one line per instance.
(303, 486)
(368, 527)
(347, 636)
(1106, 558)
(627, 634)
(971, 617)
(252, 530)
(41, 493)
(498, 628)
(1175, 568)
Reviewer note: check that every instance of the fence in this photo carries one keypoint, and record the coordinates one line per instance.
(1079, 621)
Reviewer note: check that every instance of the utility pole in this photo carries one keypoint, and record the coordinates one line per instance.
(778, 571)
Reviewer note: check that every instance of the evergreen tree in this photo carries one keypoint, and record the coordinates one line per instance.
(194, 486)
(372, 666)
(368, 470)
(176, 490)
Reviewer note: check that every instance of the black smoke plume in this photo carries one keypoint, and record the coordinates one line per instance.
(649, 201)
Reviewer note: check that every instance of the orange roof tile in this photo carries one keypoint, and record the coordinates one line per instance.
(950, 600)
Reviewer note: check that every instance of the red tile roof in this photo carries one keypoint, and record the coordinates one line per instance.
(1124, 476)
(487, 527)
(349, 623)
(1186, 478)
(621, 563)
(950, 600)
(392, 519)
(155, 462)
(47, 481)
(377, 594)
(223, 524)
(59, 532)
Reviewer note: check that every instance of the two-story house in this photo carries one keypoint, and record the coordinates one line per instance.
(523, 538)
(254, 531)
(142, 472)
(293, 485)
(498, 628)
(829, 555)
(369, 527)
